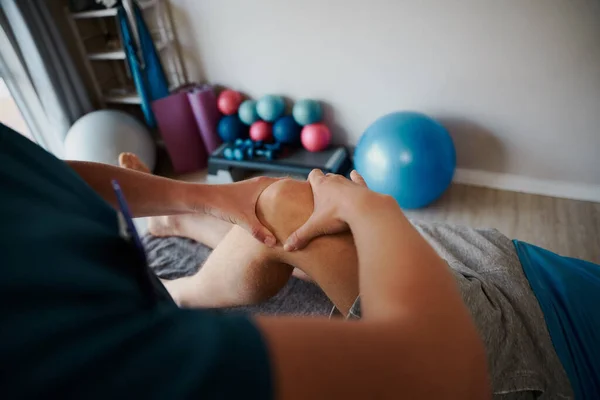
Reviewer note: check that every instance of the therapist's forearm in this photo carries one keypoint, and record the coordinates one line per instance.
(405, 285)
(399, 272)
(146, 194)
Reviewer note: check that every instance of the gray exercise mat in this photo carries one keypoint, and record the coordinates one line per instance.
(176, 257)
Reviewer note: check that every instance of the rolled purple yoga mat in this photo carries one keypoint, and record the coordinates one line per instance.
(179, 130)
(203, 101)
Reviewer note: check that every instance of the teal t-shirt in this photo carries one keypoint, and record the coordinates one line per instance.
(81, 316)
(568, 291)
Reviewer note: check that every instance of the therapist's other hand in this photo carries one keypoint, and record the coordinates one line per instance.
(331, 195)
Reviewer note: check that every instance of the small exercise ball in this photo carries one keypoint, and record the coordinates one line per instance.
(229, 101)
(406, 155)
(247, 112)
(230, 128)
(270, 107)
(261, 131)
(101, 136)
(286, 130)
(307, 112)
(315, 137)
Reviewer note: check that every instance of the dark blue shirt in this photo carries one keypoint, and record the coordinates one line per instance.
(81, 316)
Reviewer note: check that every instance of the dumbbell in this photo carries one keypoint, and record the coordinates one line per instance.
(269, 154)
(228, 153)
(244, 143)
(242, 149)
(269, 151)
(238, 154)
(248, 149)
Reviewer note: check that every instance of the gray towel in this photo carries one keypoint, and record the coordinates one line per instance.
(176, 257)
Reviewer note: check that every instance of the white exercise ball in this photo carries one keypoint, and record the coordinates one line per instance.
(101, 136)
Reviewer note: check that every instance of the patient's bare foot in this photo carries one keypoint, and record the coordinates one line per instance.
(167, 225)
(131, 161)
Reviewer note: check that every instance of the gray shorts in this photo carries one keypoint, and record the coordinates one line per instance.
(522, 361)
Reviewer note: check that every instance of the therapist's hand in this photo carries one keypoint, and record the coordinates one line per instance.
(236, 203)
(331, 194)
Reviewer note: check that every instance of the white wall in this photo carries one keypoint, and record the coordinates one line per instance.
(517, 82)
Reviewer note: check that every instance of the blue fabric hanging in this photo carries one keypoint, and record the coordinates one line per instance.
(148, 75)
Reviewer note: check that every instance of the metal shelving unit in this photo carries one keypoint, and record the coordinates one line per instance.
(106, 61)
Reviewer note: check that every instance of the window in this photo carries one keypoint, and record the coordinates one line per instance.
(9, 112)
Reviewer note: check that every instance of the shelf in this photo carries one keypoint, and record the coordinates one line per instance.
(107, 55)
(123, 98)
(119, 54)
(127, 97)
(109, 12)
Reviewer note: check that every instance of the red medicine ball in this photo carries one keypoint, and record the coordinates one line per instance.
(229, 101)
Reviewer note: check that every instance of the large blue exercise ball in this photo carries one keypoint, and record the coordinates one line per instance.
(270, 107)
(230, 128)
(101, 136)
(408, 156)
(307, 111)
(287, 131)
(247, 112)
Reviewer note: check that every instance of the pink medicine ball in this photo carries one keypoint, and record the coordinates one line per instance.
(261, 131)
(315, 137)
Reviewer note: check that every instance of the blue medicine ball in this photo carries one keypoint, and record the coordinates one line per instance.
(270, 107)
(406, 155)
(230, 128)
(286, 130)
(307, 112)
(247, 112)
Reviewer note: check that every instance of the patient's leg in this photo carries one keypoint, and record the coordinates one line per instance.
(202, 228)
(331, 261)
(239, 271)
(242, 270)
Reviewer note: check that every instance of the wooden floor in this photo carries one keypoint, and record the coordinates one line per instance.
(567, 227)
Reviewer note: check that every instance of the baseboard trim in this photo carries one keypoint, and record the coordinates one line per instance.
(518, 183)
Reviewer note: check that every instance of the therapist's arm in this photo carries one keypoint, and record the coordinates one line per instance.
(416, 339)
(150, 195)
(146, 194)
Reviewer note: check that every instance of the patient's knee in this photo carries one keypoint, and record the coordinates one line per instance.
(284, 206)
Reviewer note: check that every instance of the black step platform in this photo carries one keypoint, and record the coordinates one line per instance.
(336, 160)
